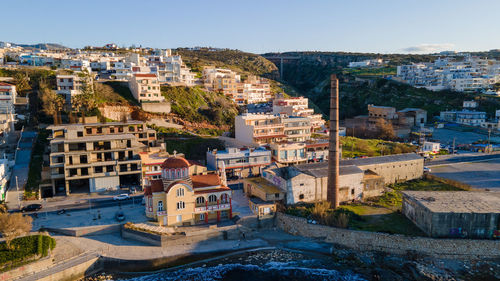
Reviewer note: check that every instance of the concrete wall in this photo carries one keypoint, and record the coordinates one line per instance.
(27, 269)
(391, 243)
(87, 231)
(156, 107)
(397, 171)
(75, 272)
(470, 225)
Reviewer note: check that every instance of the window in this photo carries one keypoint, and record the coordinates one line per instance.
(301, 197)
(79, 134)
(179, 218)
(160, 206)
(224, 198)
(202, 217)
(181, 205)
(180, 192)
(200, 200)
(212, 198)
(352, 191)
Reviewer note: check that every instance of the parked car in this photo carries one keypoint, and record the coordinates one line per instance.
(31, 208)
(120, 216)
(121, 197)
(427, 170)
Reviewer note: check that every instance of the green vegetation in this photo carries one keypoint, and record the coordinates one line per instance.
(194, 148)
(379, 214)
(115, 92)
(355, 147)
(242, 62)
(35, 168)
(24, 250)
(195, 105)
(382, 71)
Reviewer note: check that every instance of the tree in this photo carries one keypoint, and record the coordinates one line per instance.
(22, 82)
(13, 226)
(86, 100)
(52, 103)
(385, 129)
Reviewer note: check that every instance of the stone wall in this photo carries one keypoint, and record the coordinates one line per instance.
(156, 107)
(116, 112)
(391, 243)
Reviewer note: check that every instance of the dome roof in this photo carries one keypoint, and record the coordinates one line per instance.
(175, 163)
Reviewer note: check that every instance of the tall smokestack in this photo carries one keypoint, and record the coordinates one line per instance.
(333, 151)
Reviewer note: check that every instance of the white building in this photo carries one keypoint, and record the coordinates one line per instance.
(297, 106)
(145, 87)
(4, 177)
(470, 75)
(433, 147)
(71, 85)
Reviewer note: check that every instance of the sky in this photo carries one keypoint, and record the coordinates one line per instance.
(378, 26)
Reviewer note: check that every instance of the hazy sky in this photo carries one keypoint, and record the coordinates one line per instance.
(386, 26)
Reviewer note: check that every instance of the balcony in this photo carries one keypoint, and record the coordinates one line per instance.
(269, 125)
(211, 208)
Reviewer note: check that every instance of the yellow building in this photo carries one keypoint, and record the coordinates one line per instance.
(182, 198)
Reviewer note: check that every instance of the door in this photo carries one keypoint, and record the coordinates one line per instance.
(165, 220)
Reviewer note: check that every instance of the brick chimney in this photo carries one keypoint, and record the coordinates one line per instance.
(333, 151)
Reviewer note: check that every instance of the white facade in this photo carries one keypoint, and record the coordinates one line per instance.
(431, 147)
(471, 75)
(145, 87)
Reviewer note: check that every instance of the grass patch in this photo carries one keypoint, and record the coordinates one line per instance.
(122, 90)
(24, 250)
(383, 213)
(381, 71)
(356, 147)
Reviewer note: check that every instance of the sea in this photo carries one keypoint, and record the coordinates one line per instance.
(264, 265)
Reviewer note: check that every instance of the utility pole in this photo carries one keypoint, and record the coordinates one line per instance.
(489, 135)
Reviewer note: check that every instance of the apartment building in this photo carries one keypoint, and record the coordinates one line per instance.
(8, 97)
(223, 80)
(89, 158)
(181, 198)
(464, 117)
(297, 106)
(253, 90)
(145, 87)
(297, 129)
(242, 163)
(289, 153)
(71, 85)
(472, 74)
(259, 128)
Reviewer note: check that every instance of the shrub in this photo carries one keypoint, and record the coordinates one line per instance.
(24, 249)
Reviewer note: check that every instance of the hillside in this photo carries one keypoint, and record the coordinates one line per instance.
(196, 105)
(242, 62)
(309, 76)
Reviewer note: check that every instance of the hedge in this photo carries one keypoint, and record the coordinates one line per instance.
(24, 249)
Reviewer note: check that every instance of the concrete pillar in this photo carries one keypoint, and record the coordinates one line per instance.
(66, 185)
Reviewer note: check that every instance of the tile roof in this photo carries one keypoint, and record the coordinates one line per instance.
(175, 163)
(145, 75)
(205, 180)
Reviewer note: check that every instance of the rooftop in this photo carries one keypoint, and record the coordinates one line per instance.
(457, 201)
(264, 184)
(82, 125)
(95, 138)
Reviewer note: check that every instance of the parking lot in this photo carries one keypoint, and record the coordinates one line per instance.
(479, 175)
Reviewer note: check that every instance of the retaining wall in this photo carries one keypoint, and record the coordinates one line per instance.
(86, 231)
(391, 243)
(26, 269)
(156, 107)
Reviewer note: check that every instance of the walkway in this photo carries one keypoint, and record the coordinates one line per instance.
(20, 170)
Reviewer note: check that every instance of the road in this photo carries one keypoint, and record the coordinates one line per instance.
(461, 158)
(87, 204)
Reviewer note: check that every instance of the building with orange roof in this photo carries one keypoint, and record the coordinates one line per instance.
(181, 196)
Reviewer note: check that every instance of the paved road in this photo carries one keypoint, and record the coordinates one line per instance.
(86, 204)
(459, 158)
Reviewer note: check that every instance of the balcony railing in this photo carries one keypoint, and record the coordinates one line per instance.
(212, 208)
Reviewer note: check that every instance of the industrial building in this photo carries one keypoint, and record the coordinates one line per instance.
(458, 214)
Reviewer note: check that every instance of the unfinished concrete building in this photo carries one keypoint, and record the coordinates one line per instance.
(88, 158)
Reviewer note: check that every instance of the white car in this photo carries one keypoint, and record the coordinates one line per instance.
(120, 197)
(427, 170)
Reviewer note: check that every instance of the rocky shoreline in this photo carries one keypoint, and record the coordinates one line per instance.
(342, 264)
